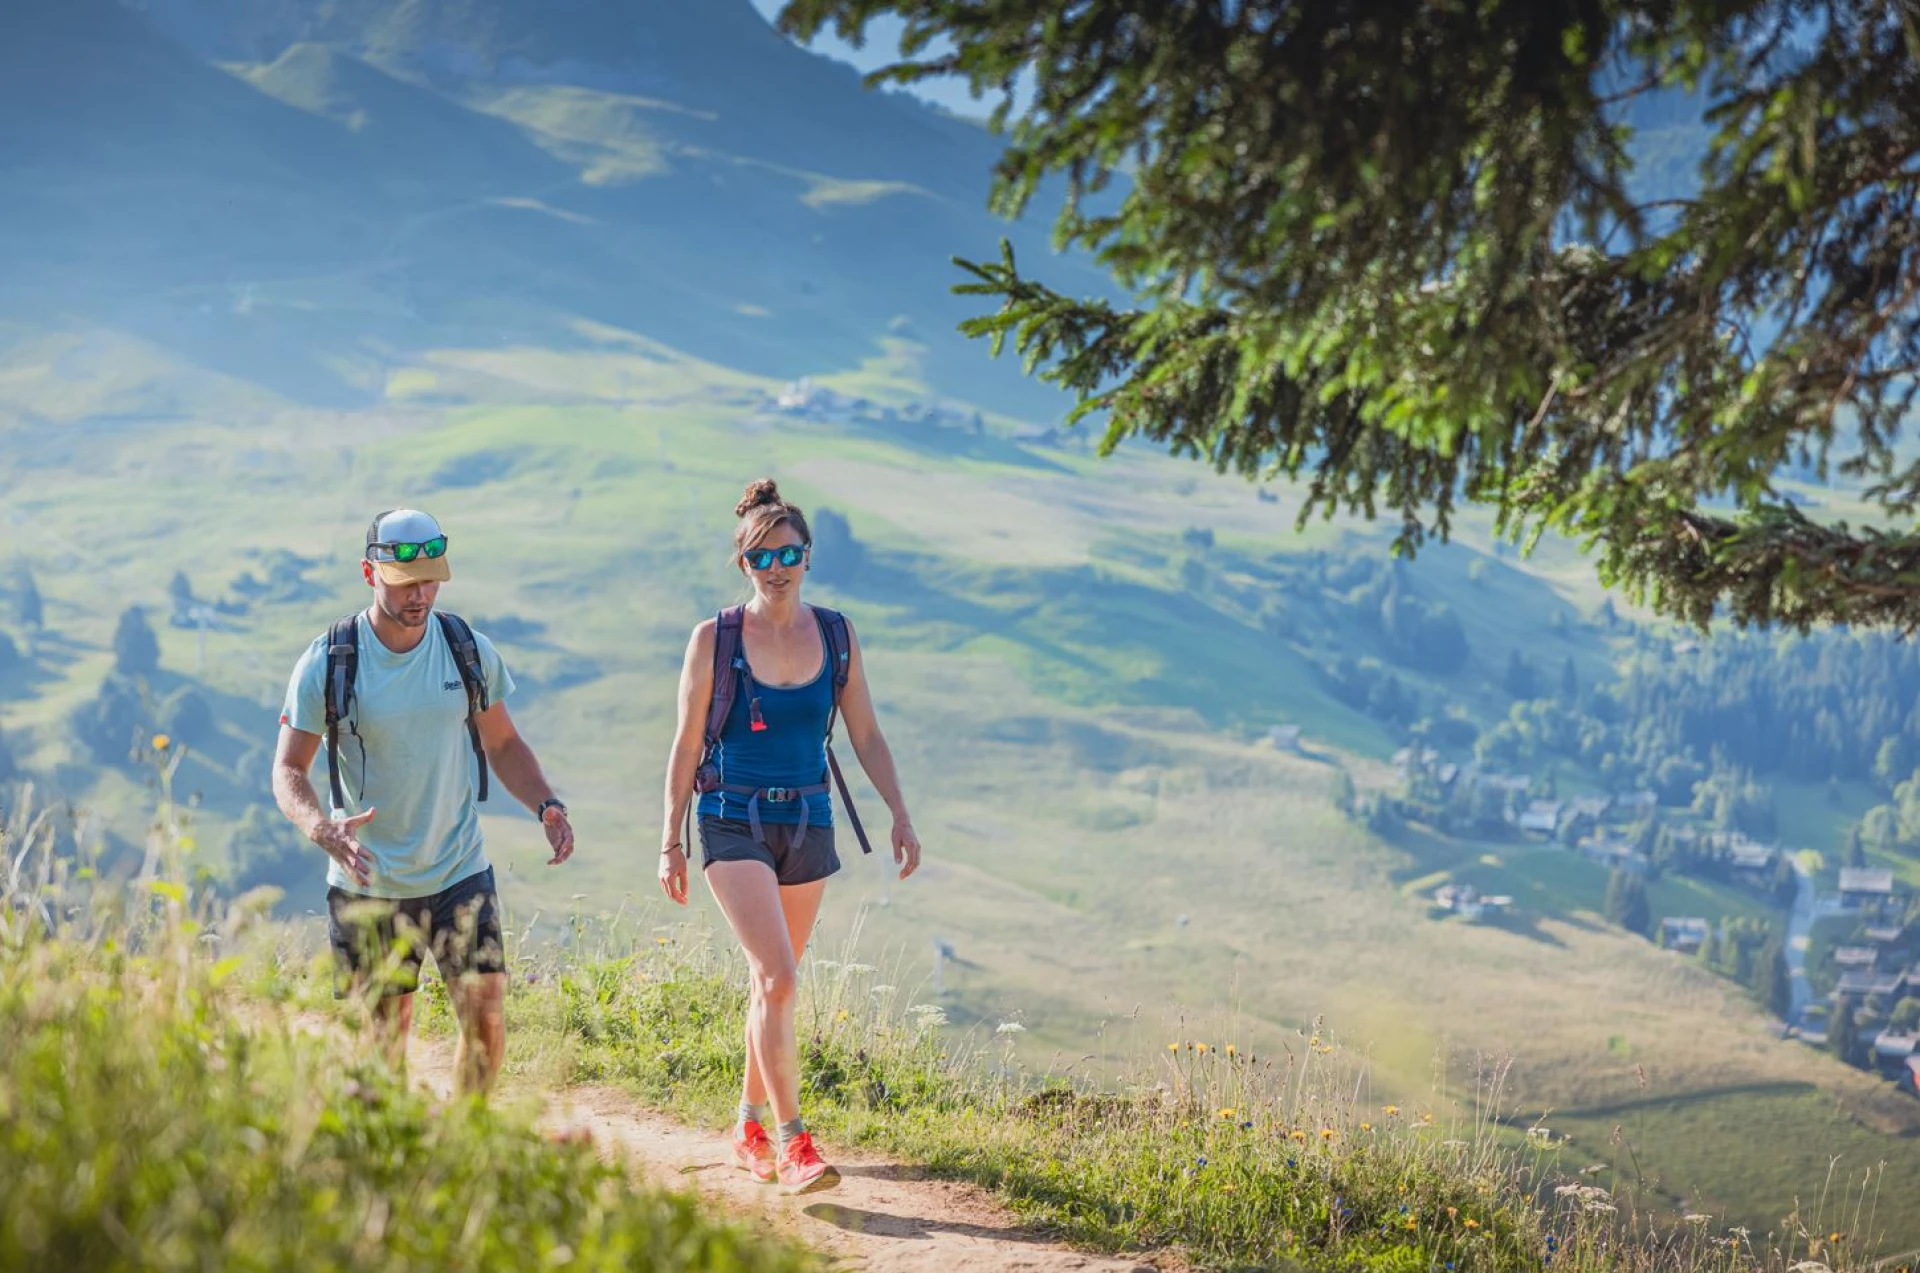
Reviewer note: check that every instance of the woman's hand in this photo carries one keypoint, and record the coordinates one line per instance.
(673, 873)
(906, 847)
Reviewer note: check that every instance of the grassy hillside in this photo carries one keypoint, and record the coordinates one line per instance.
(1113, 856)
(543, 279)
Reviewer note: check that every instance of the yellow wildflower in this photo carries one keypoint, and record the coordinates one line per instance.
(1326, 1133)
(1411, 1226)
(841, 1015)
(1472, 1223)
(161, 742)
(1227, 1113)
(1231, 1052)
(1391, 1111)
(1200, 1048)
(1453, 1213)
(1173, 1047)
(1299, 1136)
(1366, 1127)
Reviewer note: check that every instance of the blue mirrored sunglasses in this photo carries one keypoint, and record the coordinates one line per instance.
(763, 558)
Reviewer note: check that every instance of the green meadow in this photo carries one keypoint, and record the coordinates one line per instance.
(1116, 857)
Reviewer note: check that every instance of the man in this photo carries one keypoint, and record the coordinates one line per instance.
(408, 868)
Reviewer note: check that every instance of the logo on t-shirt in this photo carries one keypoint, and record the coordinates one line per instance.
(451, 685)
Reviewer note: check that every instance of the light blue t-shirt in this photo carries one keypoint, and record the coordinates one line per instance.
(404, 752)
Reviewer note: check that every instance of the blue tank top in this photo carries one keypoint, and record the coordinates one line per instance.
(790, 752)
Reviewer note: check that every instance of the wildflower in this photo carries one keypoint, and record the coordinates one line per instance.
(1173, 1047)
(841, 1015)
(1231, 1052)
(1366, 1127)
(1553, 1243)
(858, 970)
(1226, 1115)
(1411, 1224)
(1291, 1162)
(1326, 1133)
(1834, 1237)
(1472, 1223)
(1297, 1134)
(1201, 1161)
(1453, 1213)
(1201, 1048)
(161, 742)
(1391, 1111)
(1247, 1126)
(1695, 1217)
(1009, 1027)
(660, 941)
(1314, 1042)
(881, 990)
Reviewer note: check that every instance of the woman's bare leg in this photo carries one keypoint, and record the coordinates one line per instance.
(801, 905)
(757, 909)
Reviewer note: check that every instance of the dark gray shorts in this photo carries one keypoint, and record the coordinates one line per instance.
(730, 840)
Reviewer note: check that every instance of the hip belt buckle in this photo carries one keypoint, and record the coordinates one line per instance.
(779, 795)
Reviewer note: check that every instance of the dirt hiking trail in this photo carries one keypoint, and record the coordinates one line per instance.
(883, 1217)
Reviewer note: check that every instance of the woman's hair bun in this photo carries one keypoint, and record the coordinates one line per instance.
(763, 491)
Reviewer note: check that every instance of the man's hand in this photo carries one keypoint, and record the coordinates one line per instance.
(673, 873)
(344, 847)
(906, 847)
(559, 833)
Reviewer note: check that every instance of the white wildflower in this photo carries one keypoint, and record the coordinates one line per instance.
(1010, 1027)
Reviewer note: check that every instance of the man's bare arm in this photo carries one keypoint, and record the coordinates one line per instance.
(519, 772)
(293, 792)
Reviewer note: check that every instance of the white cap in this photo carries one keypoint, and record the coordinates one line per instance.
(406, 526)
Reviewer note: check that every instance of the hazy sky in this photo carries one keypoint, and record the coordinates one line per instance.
(882, 42)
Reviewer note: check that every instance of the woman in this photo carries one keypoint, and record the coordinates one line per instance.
(766, 824)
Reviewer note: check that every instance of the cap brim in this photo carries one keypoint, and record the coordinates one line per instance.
(419, 570)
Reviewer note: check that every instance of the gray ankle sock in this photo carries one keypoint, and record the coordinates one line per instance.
(787, 1131)
(751, 1113)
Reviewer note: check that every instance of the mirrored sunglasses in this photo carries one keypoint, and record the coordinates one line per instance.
(403, 553)
(763, 558)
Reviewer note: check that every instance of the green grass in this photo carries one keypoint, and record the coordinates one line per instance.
(1232, 1158)
(154, 1120)
(1108, 848)
(1821, 1164)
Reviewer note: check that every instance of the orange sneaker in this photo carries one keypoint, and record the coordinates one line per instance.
(753, 1152)
(802, 1170)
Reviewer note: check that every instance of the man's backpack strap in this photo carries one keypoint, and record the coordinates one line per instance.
(466, 655)
(343, 665)
(839, 647)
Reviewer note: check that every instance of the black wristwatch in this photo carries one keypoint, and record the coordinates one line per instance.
(551, 802)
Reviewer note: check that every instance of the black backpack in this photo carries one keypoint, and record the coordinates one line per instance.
(730, 670)
(343, 667)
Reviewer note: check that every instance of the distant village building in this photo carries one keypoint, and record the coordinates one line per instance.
(1636, 806)
(1540, 817)
(1285, 737)
(1467, 902)
(1684, 933)
(1894, 1055)
(1885, 934)
(1870, 983)
(1615, 854)
(1750, 861)
(1866, 887)
(1850, 957)
(1589, 808)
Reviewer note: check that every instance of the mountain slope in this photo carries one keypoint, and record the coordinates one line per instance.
(389, 176)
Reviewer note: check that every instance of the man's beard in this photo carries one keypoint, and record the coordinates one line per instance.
(400, 617)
